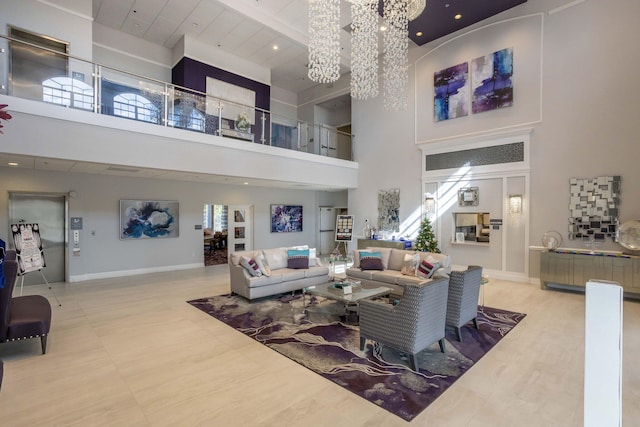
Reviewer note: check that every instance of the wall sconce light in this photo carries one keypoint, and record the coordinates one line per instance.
(515, 204)
(429, 204)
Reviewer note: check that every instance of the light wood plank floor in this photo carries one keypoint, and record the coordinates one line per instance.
(131, 352)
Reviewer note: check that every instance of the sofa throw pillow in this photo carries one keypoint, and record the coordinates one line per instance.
(313, 257)
(263, 265)
(427, 268)
(276, 257)
(370, 261)
(298, 258)
(410, 264)
(251, 266)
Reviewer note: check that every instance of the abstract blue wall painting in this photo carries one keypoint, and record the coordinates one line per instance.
(451, 92)
(286, 218)
(491, 81)
(148, 219)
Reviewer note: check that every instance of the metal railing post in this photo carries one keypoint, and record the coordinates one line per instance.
(166, 105)
(97, 88)
(219, 118)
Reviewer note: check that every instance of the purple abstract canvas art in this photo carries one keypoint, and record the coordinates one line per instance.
(451, 92)
(492, 81)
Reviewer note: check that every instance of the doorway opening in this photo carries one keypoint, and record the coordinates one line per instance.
(215, 224)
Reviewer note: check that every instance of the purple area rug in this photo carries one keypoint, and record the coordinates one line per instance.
(322, 340)
(215, 256)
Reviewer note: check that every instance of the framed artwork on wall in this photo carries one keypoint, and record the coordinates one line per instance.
(148, 219)
(286, 218)
(468, 196)
(492, 81)
(389, 210)
(451, 92)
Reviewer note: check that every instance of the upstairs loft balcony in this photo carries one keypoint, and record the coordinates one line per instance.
(43, 80)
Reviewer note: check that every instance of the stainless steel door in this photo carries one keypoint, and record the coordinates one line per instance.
(49, 212)
(327, 230)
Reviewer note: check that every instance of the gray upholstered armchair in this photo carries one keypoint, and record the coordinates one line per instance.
(462, 305)
(412, 325)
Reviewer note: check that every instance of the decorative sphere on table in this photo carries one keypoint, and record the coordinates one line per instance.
(551, 240)
(629, 235)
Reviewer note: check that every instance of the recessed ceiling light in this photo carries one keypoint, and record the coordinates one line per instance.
(275, 47)
(419, 34)
(383, 28)
(458, 16)
(13, 164)
(245, 183)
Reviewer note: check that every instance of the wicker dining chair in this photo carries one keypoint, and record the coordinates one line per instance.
(464, 292)
(410, 326)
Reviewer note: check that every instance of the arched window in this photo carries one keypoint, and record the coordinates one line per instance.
(186, 116)
(68, 92)
(134, 106)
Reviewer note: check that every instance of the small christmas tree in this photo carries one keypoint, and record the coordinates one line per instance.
(426, 240)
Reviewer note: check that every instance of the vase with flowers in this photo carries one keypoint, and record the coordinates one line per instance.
(242, 122)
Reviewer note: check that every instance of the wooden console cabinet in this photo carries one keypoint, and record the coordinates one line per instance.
(576, 269)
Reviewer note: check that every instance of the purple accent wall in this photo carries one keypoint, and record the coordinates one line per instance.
(193, 74)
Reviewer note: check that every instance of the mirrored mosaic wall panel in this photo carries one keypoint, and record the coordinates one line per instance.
(594, 207)
(389, 210)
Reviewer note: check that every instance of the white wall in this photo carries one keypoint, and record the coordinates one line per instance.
(384, 147)
(589, 100)
(103, 254)
(125, 52)
(44, 19)
(284, 106)
(195, 49)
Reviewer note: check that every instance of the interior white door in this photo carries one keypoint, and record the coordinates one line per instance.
(240, 237)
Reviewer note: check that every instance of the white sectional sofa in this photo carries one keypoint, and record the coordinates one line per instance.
(392, 261)
(282, 279)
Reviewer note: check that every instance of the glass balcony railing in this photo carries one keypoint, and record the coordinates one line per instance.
(37, 73)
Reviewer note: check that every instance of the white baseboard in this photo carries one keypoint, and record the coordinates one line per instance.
(124, 273)
(502, 275)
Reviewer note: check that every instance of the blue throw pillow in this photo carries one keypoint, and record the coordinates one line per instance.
(298, 258)
(370, 254)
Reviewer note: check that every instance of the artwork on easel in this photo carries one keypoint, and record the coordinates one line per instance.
(344, 228)
(26, 239)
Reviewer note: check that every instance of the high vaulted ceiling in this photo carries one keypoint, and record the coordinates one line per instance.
(251, 28)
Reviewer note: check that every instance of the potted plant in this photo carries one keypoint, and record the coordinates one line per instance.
(4, 115)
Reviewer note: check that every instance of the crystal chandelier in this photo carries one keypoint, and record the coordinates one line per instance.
(396, 56)
(324, 40)
(364, 49)
(415, 8)
(324, 47)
